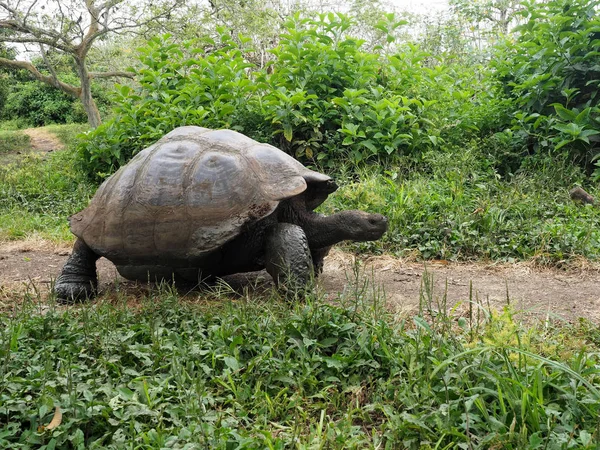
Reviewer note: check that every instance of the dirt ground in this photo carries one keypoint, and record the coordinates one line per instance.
(43, 141)
(542, 293)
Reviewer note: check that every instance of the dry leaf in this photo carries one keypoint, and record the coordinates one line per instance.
(55, 422)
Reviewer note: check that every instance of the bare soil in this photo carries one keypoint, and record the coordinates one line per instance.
(42, 141)
(543, 293)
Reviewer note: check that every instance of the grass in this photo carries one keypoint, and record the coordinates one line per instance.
(38, 192)
(243, 373)
(458, 208)
(68, 133)
(12, 125)
(13, 141)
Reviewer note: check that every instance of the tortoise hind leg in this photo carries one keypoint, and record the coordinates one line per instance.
(287, 257)
(78, 280)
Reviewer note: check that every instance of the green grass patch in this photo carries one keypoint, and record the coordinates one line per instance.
(269, 374)
(68, 133)
(13, 141)
(14, 124)
(38, 193)
(456, 207)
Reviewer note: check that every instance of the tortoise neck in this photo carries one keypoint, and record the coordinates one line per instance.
(321, 231)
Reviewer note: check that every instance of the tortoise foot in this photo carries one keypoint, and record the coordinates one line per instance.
(75, 288)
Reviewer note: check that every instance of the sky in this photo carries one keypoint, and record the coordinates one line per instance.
(421, 6)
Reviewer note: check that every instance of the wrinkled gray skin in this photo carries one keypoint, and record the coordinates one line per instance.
(290, 243)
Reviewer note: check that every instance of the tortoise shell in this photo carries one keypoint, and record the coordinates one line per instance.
(188, 194)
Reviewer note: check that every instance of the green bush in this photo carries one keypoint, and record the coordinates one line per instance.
(329, 100)
(40, 104)
(323, 99)
(550, 68)
(176, 88)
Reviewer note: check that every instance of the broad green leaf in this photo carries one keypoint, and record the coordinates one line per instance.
(125, 392)
(231, 362)
(570, 128)
(287, 131)
(564, 113)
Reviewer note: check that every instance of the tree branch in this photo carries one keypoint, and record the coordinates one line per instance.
(49, 64)
(71, 90)
(36, 35)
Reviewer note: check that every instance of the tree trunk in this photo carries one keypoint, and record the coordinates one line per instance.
(89, 105)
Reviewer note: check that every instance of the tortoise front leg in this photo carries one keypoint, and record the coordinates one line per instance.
(287, 257)
(78, 280)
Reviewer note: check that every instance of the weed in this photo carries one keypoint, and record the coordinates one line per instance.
(459, 209)
(270, 374)
(68, 134)
(12, 125)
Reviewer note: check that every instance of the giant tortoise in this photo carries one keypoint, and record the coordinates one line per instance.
(203, 203)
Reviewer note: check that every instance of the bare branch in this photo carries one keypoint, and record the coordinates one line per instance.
(71, 90)
(48, 63)
(71, 28)
(29, 10)
(47, 37)
(108, 4)
(36, 40)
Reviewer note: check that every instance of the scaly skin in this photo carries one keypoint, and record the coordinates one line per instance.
(287, 257)
(78, 280)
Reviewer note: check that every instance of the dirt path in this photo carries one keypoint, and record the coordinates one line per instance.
(42, 140)
(557, 294)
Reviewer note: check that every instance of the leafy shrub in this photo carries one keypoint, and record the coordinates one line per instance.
(551, 70)
(330, 100)
(323, 99)
(176, 88)
(40, 104)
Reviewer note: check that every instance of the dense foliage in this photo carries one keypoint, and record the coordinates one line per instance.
(39, 104)
(551, 71)
(324, 98)
(31, 103)
(170, 374)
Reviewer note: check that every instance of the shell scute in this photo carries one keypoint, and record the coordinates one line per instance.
(186, 195)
